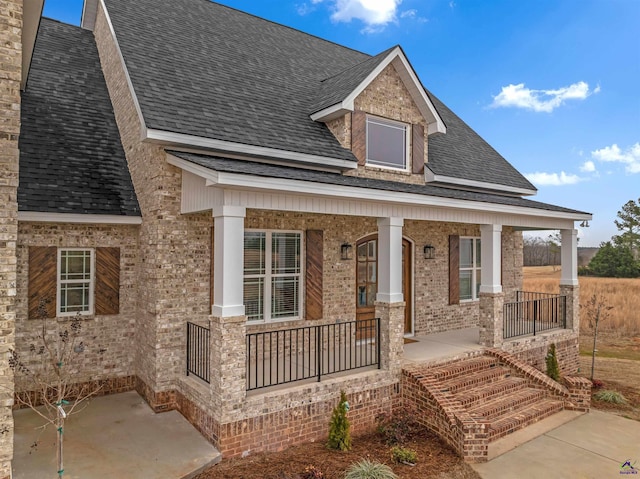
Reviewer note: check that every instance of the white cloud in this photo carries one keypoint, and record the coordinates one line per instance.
(629, 157)
(376, 14)
(588, 167)
(541, 100)
(552, 179)
(409, 13)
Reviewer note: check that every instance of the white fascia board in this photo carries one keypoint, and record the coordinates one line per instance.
(431, 177)
(37, 217)
(393, 197)
(409, 77)
(169, 138)
(136, 103)
(211, 176)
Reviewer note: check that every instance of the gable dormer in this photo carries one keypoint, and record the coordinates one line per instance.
(379, 110)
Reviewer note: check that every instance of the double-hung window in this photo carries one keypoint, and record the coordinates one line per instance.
(387, 142)
(75, 281)
(272, 275)
(470, 269)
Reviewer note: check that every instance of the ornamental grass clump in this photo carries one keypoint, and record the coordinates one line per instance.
(612, 397)
(339, 427)
(366, 469)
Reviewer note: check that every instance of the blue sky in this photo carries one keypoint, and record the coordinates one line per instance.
(553, 85)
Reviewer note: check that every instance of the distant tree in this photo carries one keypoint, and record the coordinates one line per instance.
(629, 224)
(614, 261)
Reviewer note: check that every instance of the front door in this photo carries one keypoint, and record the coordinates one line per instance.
(367, 284)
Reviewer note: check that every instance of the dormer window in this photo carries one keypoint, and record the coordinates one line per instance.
(387, 143)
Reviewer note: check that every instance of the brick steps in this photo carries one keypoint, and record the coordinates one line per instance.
(506, 404)
(468, 381)
(521, 418)
(486, 392)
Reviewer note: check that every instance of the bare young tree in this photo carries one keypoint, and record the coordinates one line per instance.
(596, 309)
(53, 376)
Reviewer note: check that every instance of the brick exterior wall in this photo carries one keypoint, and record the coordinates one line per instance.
(533, 350)
(175, 251)
(109, 340)
(10, 76)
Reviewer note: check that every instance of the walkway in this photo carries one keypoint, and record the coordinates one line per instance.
(593, 446)
(115, 436)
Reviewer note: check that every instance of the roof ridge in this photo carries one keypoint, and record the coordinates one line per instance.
(356, 65)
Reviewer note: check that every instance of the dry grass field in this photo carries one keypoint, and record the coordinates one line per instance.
(618, 347)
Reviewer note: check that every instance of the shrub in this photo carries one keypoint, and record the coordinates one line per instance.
(613, 397)
(597, 384)
(366, 469)
(404, 455)
(397, 427)
(553, 370)
(339, 427)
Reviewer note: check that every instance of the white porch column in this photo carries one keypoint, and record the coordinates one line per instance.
(390, 260)
(491, 257)
(228, 261)
(569, 257)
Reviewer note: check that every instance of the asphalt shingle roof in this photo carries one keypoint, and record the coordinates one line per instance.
(208, 70)
(243, 167)
(71, 157)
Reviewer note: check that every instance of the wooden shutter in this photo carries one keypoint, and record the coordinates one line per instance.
(107, 287)
(454, 269)
(43, 281)
(359, 136)
(417, 148)
(313, 271)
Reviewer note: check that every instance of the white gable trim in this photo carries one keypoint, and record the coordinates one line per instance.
(38, 217)
(410, 80)
(432, 177)
(168, 138)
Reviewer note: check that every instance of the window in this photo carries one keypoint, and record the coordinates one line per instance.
(386, 143)
(75, 281)
(470, 268)
(272, 275)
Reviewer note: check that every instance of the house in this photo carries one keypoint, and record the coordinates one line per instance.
(233, 205)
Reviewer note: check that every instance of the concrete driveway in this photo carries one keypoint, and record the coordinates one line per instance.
(592, 446)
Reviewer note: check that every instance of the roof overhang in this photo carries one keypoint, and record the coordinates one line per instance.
(431, 177)
(77, 218)
(32, 11)
(89, 14)
(398, 59)
(196, 199)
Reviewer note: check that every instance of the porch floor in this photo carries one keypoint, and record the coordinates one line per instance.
(439, 346)
(115, 436)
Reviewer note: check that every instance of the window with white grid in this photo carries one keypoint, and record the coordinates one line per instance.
(470, 268)
(75, 281)
(272, 275)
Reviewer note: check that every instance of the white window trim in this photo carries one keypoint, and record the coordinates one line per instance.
(474, 269)
(59, 283)
(407, 145)
(266, 306)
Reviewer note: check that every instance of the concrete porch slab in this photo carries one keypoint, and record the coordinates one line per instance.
(437, 346)
(115, 436)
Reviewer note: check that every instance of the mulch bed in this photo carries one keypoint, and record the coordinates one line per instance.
(435, 460)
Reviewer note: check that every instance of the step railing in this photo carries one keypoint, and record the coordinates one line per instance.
(289, 355)
(533, 313)
(198, 362)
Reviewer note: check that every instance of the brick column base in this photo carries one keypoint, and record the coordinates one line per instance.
(391, 335)
(491, 334)
(573, 306)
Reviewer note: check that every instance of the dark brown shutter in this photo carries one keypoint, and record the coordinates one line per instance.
(359, 136)
(417, 148)
(107, 288)
(43, 281)
(454, 269)
(313, 269)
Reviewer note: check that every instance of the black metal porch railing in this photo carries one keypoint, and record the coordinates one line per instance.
(289, 355)
(198, 351)
(532, 313)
